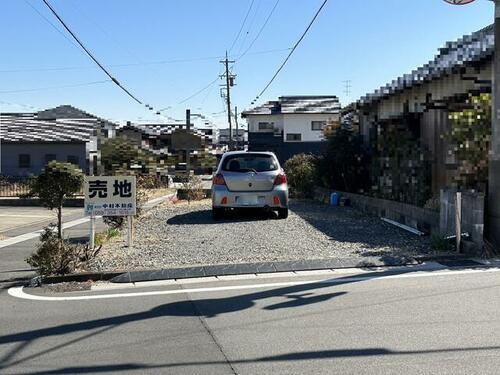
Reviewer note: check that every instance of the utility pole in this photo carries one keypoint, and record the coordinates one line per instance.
(229, 83)
(236, 123)
(188, 129)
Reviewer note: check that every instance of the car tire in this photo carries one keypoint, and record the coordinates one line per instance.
(282, 213)
(217, 213)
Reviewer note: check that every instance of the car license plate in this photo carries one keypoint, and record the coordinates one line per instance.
(247, 201)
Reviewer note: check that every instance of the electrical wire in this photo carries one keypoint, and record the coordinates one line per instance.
(250, 26)
(55, 87)
(292, 51)
(90, 54)
(260, 31)
(242, 25)
(160, 62)
(199, 91)
(54, 26)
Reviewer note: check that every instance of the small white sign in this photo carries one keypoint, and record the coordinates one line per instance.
(110, 195)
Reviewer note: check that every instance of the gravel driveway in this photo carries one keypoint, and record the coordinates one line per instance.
(180, 234)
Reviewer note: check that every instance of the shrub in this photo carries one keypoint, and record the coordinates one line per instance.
(470, 138)
(54, 256)
(343, 164)
(192, 187)
(301, 175)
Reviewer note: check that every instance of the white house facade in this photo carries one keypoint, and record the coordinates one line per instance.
(291, 125)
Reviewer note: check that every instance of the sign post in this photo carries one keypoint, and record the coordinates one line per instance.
(110, 196)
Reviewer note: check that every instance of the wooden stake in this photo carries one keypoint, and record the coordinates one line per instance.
(458, 220)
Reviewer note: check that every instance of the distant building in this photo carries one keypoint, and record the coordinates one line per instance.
(291, 124)
(172, 142)
(28, 141)
(241, 137)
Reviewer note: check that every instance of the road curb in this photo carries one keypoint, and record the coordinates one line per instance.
(258, 268)
(232, 269)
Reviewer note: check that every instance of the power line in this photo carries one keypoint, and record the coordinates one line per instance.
(53, 26)
(55, 87)
(124, 65)
(242, 25)
(90, 54)
(250, 26)
(291, 52)
(199, 91)
(261, 29)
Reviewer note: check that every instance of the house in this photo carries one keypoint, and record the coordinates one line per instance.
(291, 124)
(418, 104)
(410, 128)
(28, 141)
(173, 142)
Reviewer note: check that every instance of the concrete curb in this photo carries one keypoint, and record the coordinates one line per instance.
(260, 268)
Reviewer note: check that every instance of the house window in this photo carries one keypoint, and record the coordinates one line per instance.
(49, 158)
(266, 125)
(24, 161)
(318, 125)
(73, 159)
(294, 137)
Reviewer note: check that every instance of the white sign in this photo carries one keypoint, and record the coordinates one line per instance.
(110, 195)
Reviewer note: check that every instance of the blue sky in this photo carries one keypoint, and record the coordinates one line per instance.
(369, 42)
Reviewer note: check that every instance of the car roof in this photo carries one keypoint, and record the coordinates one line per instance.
(229, 153)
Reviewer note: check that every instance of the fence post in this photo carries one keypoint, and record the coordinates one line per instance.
(129, 231)
(458, 219)
(92, 232)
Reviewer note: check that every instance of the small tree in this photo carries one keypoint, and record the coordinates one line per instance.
(57, 182)
(301, 174)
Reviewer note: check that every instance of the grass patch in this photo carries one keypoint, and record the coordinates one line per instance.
(102, 237)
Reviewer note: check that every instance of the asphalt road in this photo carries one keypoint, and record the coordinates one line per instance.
(436, 322)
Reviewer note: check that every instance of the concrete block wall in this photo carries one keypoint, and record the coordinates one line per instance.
(419, 218)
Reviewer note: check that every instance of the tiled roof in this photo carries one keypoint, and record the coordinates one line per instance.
(468, 49)
(30, 127)
(297, 104)
(162, 129)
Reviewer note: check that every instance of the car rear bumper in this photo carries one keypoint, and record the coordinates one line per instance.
(276, 198)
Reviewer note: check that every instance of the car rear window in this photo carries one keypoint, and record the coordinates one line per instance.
(250, 163)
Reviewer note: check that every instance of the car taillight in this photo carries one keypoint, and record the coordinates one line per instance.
(280, 179)
(218, 180)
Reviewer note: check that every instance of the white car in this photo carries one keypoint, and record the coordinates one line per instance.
(249, 179)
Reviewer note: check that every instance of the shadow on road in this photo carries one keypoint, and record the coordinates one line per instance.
(296, 295)
(296, 356)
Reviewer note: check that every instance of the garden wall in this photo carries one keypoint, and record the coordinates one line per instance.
(422, 219)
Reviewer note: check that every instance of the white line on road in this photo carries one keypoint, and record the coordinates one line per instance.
(19, 293)
(35, 234)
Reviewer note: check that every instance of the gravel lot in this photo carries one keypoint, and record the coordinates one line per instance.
(179, 234)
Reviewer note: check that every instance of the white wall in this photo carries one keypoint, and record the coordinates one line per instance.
(301, 123)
